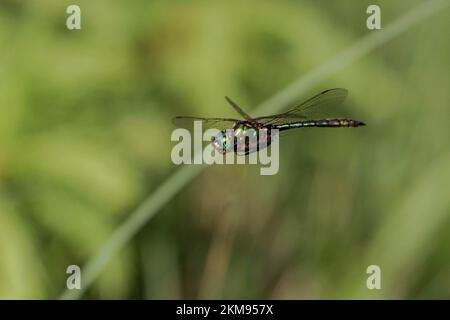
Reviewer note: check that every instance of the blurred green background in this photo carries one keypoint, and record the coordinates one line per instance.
(85, 128)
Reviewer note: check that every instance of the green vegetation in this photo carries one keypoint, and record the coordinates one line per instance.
(85, 151)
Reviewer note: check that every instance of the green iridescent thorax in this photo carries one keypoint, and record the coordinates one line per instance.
(241, 138)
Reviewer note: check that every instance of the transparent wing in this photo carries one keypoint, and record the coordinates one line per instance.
(280, 116)
(217, 123)
(238, 109)
(313, 107)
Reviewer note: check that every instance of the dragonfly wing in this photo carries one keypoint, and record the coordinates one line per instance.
(305, 110)
(281, 116)
(217, 123)
(238, 109)
(317, 105)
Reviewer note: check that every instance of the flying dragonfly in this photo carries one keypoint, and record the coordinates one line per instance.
(234, 131)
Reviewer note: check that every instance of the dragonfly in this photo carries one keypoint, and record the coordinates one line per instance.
(234, 133)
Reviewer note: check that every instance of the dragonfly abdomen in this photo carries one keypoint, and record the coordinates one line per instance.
(328, 123)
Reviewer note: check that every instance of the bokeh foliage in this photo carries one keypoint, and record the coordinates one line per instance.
(85, 136)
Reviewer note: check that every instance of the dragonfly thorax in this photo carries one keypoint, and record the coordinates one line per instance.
(242, 138)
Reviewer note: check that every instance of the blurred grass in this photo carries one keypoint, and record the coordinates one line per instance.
(85, 133)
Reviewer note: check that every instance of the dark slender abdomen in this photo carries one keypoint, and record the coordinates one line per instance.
(328, 123)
